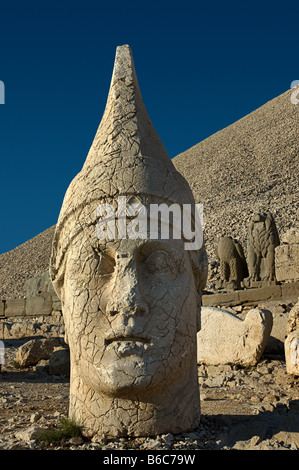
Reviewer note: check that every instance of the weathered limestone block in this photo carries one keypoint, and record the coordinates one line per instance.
(262, 240)
(226, 339)
(15, 308)
(50, 326)
(233, 266)
(287, 256)
(247, 296)
(130, 300)
(291, 347)
(39, 286)
(56, 304)
(287, 264)
(293, 318)
(33, 351)
(255, 296)
(59, 363)
(291, 236)
(38, 306)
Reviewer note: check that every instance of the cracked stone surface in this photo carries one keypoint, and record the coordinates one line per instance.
(225, 338)
(241, 408)
(131, 305)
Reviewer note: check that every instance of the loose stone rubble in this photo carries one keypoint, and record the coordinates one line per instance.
(241, 408)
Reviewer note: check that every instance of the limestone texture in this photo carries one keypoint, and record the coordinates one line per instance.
(131, 305)
(249, 408)
(291, 344)
(262, 240)
(233, 266)
(250, 165)
(293, 318)
(226, 339)
(291, 347)
(287, 256)
(35, 350)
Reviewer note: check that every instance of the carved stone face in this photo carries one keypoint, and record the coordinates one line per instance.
(131, 306)
(130, 310)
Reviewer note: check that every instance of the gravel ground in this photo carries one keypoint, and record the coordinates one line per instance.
(256, 408)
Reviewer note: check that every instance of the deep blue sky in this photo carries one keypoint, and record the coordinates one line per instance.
(201, 66)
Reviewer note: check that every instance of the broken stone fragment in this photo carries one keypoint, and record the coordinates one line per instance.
(226, 339)
(59, 363)
(32, 432)
(291, 347)
(287, 256)
(35, 350)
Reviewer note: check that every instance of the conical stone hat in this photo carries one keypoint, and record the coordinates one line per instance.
(126, 158)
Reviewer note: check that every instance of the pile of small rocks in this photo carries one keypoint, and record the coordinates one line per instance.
(242, 408)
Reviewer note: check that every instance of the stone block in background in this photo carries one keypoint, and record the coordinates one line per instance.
(38, 306)
(287, 262)
(287, 256)
(226, 339)
(39, 286)
(59, 363)
(15, 308)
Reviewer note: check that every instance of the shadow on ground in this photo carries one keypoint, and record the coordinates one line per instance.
(282, 425)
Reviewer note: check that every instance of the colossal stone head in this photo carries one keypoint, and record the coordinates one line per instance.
(130, 299)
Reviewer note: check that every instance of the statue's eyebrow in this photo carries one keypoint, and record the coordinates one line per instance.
(158, 245)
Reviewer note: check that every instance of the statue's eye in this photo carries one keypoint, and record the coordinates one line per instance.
(104, 264)
(159, 262)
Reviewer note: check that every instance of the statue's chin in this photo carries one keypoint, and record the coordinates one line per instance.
(126, 377)
(126, 387)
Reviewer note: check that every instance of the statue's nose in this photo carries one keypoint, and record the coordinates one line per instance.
(126, 298)
(126, 308)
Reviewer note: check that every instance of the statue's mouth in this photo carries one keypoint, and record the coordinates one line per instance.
(127, 338)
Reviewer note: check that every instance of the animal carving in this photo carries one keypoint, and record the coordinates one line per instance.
(232, 260)
(261, 243)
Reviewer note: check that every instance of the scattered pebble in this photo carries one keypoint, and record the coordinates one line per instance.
(264, 401)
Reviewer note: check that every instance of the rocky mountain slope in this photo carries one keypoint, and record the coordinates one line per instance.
(253, 164)
(25, 261)
(250, 165)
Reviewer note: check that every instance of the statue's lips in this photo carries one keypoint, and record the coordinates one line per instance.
(127, 338)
